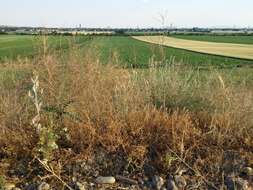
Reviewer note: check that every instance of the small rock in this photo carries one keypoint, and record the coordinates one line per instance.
(148, 184)
(91, 184)
(157, 182)
(180, 181)
(31, 187)
(44, 186)
(16, 188)
(171, 184)
(9, 186)
(238, 183)
(80, 186)
(105, 180)
(149, 170)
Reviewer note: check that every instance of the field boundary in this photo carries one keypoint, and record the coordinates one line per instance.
(201, 53)
(141, 38)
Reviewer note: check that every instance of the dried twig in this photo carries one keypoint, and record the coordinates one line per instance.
(192, 169)
(51, 170)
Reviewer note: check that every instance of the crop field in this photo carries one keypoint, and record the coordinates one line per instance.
(243, 51)
(12, 46)
(236, 39)
(125, 51)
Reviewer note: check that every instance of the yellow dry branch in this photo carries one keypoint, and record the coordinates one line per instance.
(224, 49)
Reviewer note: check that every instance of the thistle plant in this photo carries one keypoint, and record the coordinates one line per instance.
(34, 95)
(47, 137)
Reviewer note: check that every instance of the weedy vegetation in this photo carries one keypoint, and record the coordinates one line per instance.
(169, 117)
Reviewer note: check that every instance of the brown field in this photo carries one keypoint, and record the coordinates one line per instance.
(242, 51)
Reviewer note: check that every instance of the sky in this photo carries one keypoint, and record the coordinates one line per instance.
(127, 13)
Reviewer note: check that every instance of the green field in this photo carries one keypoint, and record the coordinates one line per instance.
(218, 38)
(12, 46)
(139, 54)
(125, 51)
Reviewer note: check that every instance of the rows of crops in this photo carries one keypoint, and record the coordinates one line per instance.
(125, 50)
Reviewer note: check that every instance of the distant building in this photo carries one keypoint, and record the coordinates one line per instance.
(228, 31)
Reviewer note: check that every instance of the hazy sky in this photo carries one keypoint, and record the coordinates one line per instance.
(127, 13)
